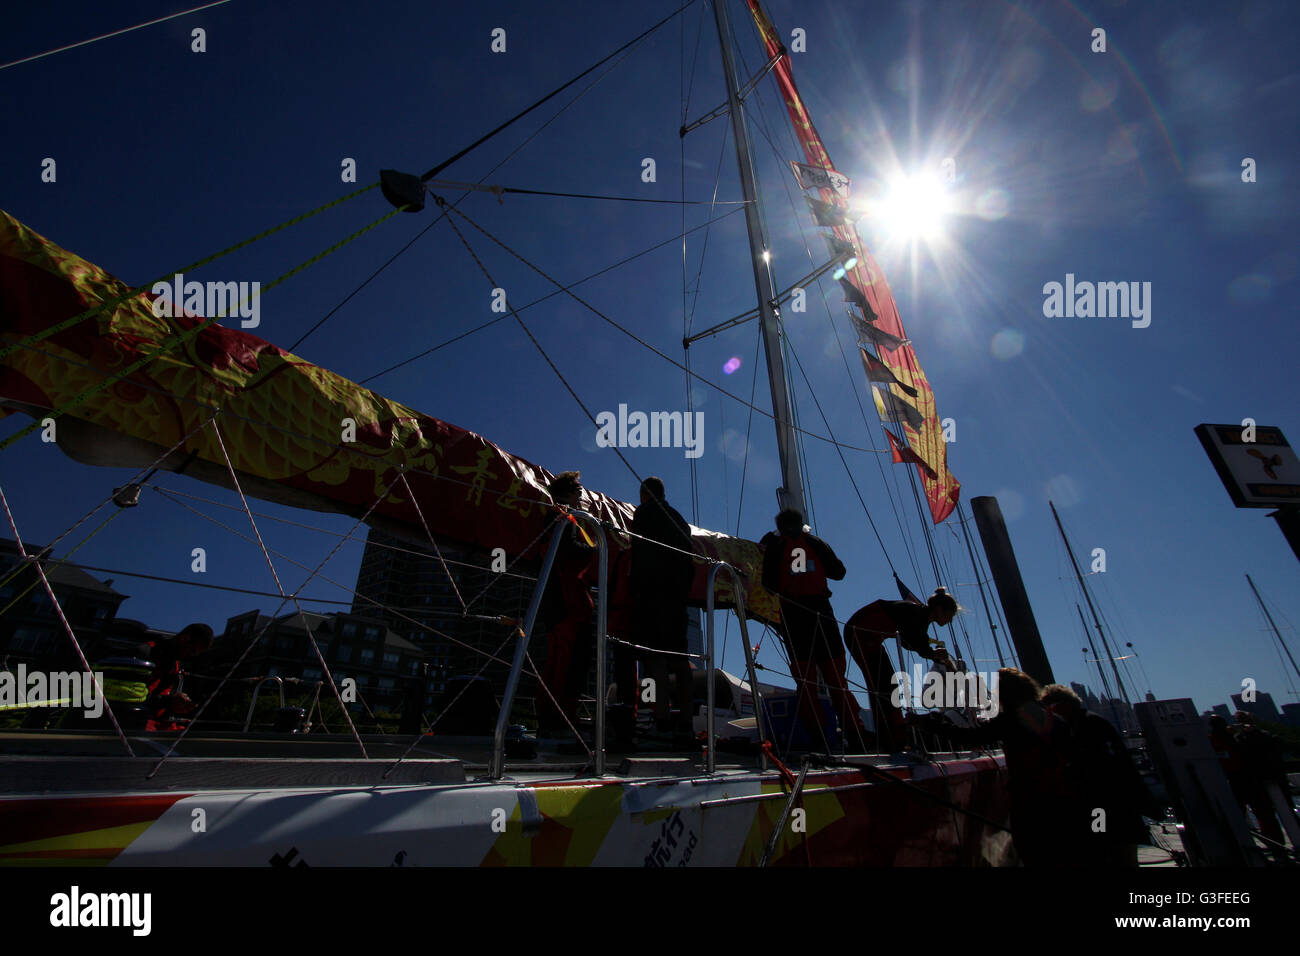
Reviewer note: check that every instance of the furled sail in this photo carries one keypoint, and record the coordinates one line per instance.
(910, 400)
(283, 421)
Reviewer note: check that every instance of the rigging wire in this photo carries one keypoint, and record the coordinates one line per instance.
(502, 190)
(58, 610)
(142, 475)
(642, 342)
(540, 300)
(921, 511)
(528, 332)
(148, 286)
(105, 36)
(339, 534)
(177, 340)
(555, 92)
(437, 219)
(257, 533)
(843, 461)
(803, 236)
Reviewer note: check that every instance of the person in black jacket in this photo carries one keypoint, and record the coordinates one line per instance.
(1262, 769)
(1103, 778)
(866, 632)
(660, 582)
(1039, 753)
(796, 567)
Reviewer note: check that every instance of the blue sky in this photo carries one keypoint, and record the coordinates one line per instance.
(1122, 166)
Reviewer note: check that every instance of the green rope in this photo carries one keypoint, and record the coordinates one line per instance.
(111, 303)
(22, 565)
(186, 336)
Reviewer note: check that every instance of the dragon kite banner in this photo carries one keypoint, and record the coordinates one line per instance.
(869, 290)
(296, 433)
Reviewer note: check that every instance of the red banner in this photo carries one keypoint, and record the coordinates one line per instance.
(941, 488)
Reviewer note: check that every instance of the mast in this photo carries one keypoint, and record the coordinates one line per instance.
(1276, 632)
(791, 495)
(1020, 622)
(1105, 685)
(1119, 683)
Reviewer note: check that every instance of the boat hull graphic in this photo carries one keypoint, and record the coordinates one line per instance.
(849, 818)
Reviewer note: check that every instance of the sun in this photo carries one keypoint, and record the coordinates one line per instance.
(914, 207)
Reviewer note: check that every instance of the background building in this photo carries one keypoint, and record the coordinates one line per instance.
(383, 663)
(1261, 708)
(414, 592)
(30, 630)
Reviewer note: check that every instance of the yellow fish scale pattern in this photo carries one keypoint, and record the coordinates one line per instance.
(282, 417)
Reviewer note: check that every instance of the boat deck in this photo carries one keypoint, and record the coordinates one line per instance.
(55, 761)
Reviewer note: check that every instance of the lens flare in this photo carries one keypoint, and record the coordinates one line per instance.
(731, 365)
(915, 207)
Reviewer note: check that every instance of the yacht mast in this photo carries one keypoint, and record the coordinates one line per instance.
(1276, 632)
(1119, 683)
(791, 495)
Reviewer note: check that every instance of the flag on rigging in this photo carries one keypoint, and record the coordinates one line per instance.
(817, 177)
(894, 409)
(853, 294)
(906, 594)
(870, 334)
(878, 371)
(924, 436)
(827, 213)
(902, 454)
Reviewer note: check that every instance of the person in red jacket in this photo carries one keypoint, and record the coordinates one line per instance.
(166, 701)
(566, 614)
(796, 567)
(865, 634)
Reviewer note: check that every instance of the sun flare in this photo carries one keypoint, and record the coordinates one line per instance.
(914, 207)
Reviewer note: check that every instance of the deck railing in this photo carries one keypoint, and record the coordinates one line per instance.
(496, 765)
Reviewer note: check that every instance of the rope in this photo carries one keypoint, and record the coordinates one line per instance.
(105, 36)
(230, 466)
(541, 299)
(170, 344)
(502, 190)
(642, 342)
(63, 562)
(653, 650)
(555, 92)
(68, 627)
(517, 632)
(796, 794)
(455, 590)
(509, 156)
(770, 752)
(356, 594)
(270, 621)
(112, 303)
(84, 518)
(542, 684)
(528, 332)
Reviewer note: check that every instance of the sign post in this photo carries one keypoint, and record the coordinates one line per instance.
(1260, 470)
